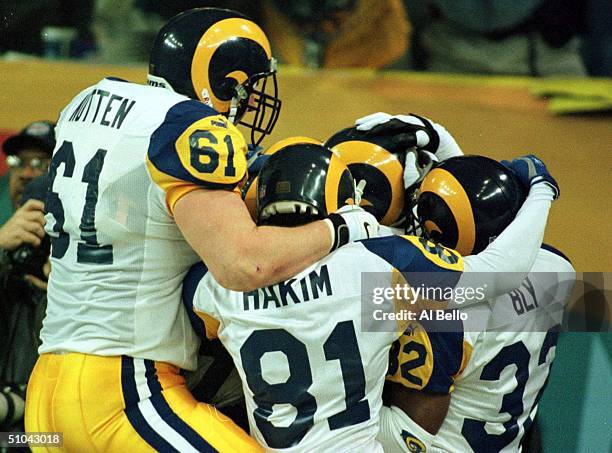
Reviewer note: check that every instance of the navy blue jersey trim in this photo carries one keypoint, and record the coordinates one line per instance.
(556, 251)
(402, 254)
(416, 268)
(190, 284)
(446, 340)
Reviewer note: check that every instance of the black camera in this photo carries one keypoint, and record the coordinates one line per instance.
(12, 405)
(28, 259)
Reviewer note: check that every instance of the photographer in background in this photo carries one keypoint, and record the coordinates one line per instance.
(24, 266)
(28, 154)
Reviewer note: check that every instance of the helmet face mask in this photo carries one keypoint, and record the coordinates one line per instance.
(259, 101)
(412, 224)
(223, 59)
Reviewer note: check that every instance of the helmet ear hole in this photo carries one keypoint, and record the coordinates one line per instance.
(434, 235)
(370, 159)
(210, 55)
(465, 201)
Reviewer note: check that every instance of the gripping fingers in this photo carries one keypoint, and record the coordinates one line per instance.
(33, 205)
(30, 238)
(34, 216)
(359, 189)
(35, 228)
(369, 121)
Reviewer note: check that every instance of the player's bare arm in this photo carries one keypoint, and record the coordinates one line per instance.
(410, 418)
(241, 255)
(427, 410)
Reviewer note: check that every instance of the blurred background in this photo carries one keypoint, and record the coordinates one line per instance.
(522, 37)
(505, 78)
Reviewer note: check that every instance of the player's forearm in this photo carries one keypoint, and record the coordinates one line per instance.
(270, 255)
(280, 253)
(504, 264)
(240, 255)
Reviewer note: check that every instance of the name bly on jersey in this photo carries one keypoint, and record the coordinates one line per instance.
(424, 315)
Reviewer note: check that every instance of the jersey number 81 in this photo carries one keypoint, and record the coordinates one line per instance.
(340, 345)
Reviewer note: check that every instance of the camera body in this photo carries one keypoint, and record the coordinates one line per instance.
(28, 259)
(12, 405)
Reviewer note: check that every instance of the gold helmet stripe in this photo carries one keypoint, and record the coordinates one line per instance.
(361, 152)
(445, 185)
(298, 140)
(332, 182)
(207, 46)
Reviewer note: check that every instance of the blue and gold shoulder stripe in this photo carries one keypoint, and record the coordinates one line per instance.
(195, 147)
(414, 254)
(418, 262)
(204, 325)
(429, 356)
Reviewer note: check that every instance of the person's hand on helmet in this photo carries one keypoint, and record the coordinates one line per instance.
(351, 223)
(417, 165)
(412, 131)
(530, 171)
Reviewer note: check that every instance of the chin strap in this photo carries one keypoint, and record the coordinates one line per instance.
(241, 94)
(233, 110)
(359, 188)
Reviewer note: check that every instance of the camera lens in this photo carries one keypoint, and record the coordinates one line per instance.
(22, 255)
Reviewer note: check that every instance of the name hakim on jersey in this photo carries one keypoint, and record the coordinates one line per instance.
(312, 377)
(496, 375)
(125, 154)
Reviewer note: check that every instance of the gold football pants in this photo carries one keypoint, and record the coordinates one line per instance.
(119, 404)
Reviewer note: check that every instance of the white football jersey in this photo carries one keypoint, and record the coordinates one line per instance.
(496, 396)
(125, 154)
(312, 373)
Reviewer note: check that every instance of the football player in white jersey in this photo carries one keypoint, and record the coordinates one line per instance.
(311, 374)
(143, 185)
(509, 344)
(490, 409)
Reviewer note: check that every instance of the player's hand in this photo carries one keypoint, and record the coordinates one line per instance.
(26, 226)
(412, 131)
(417, 165)
(530, 170)
(351, 223)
